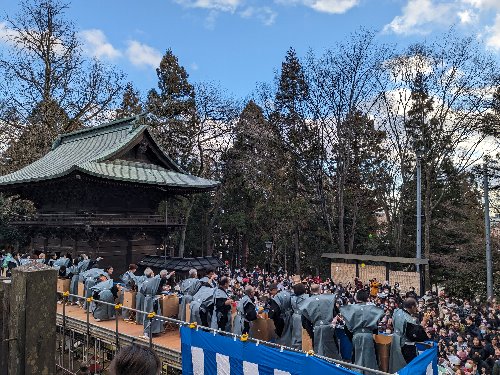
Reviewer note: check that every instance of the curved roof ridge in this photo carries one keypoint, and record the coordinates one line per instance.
(97, 130)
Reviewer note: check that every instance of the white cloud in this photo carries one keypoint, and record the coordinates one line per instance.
(265, 14)
(418, 13)
(483, 4)
(6, 34)
(325, 6)
(96, 44)
(141, 54)
(493, 34)
(194, 66)
(467, 17)
(221, 5)
(332, 6)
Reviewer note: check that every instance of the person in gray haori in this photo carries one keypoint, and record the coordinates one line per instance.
(104, 291)
(319, 315)
(62, 261)
(89, 280)
(129, 284)
(280, 311)
(202, 306)
(298, 299)
(406, 333)
(139, 297)
(221, 316)
(149, 289)
(210, 279)
(188, 288)
(75, 270)
(245, 312)
(362, 321)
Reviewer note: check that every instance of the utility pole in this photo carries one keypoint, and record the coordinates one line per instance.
(487, 228)
(419, 206)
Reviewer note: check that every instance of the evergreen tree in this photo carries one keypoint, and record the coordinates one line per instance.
(173, 111)
(298, 144)
(131, 103)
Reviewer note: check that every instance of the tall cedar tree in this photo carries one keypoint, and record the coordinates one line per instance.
(173, 110)
(244, 174)
(297, 142)
(173, 118)
(131, 103)
(421, 128)
(365, 181)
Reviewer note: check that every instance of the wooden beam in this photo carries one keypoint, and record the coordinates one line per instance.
(375, 258)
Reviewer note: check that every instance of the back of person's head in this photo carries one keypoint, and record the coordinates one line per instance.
(193, 273)
(362, 295)
(409, 303)
(223, 280)
(132, 267)
(148, 272)
(134, 360)
(315, 289)
(299, 289)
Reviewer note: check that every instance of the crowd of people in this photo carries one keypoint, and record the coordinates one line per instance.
(466, 331)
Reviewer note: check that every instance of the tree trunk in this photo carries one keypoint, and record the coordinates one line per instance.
(297, 249)
(398, 232)
(350, 247)
(427, 226)
(341, 212)
(182, 240)
(246, 249)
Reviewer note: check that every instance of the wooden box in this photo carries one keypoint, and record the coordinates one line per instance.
(260, 329)
(170, 306)
(383, 343)
(188, 312)
(63, 285)
(81, 289)
(129, 299)
(306, 341)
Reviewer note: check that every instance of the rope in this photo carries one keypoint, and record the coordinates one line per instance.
(235, 336)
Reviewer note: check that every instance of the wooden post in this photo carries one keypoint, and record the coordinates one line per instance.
(32, 326)
(4, 323)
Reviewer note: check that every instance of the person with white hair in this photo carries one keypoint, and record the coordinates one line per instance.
(150, 289)
(188, 288)
(139, 298)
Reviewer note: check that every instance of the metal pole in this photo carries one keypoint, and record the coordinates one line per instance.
(489, 270)
(63, 348)
(419, 208)
(166, 230)
(151, 332)
(116, 329)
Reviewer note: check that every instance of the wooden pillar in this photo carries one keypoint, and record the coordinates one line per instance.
(128, 257)
(4, 325)
(32, 325)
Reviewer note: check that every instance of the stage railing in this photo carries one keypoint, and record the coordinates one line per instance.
(175, 362)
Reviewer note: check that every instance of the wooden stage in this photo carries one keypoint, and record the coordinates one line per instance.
(169, 340)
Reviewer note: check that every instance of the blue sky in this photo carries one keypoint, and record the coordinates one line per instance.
(238, 43)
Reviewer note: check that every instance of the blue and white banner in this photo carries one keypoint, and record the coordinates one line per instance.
(206, 353)
(424, 364)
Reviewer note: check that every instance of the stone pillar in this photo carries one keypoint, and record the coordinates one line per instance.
(32, 326)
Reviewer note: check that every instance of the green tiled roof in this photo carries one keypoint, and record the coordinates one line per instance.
(90, 151)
